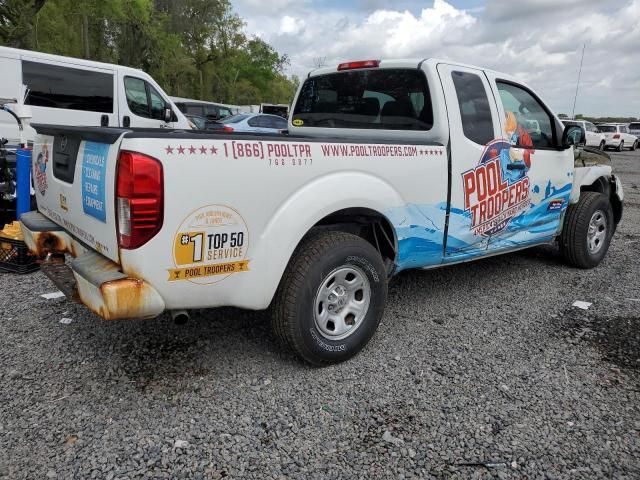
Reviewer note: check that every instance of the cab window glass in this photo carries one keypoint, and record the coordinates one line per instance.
(527, 124)
(475, 111)
(136, 94)
(158, 105)
(389, 99)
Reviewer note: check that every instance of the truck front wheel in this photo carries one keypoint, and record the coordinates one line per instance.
(587, 231)
(331, 298)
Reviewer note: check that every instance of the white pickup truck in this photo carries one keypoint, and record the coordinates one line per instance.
(388, 165)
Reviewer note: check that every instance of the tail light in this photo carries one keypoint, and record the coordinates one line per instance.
(139, 199)
(360, 64)
(227, 128)
(617, 135)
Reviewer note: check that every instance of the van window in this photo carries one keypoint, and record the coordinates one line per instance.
(390, 99)
(634, 126)
(607, 128)
(528, 124)
(143, 99)
(475, 111)
(54, 86)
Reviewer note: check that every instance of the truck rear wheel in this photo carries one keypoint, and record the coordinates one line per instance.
(587, 231)
(331, 298)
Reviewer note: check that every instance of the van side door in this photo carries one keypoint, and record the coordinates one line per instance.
(537, 172)
(140, 104)
(475, 139)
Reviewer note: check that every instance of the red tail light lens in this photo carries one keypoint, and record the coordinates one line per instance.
(139, 199)
(360, 64)
(227, 128)
(617, 135)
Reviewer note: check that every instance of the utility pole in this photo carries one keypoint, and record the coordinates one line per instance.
(575, 99)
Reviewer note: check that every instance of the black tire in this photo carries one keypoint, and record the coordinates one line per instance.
(603, 145)
(621, 146)
(634, 146)
(294, 307)
(574, 243)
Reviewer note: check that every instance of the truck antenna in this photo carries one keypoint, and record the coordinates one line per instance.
(575, 98)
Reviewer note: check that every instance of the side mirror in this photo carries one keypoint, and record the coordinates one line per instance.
(573, 135)
(168, 114)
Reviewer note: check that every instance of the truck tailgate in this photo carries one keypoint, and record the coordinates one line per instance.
(74, 180)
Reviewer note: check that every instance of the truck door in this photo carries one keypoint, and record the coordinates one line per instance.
(140, 104)
(475, 170)
(534, 210)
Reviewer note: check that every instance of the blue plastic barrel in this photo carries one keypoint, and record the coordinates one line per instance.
(23, 181)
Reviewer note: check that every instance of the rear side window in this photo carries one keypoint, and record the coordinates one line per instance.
(194, 109)
(634, 126)
(388, 99)
(607, 128)
(67, 88)
(236, 118)
(475, 111)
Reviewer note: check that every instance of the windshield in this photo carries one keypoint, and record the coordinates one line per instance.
(607, 128)
(634, 126)
(236, 118)
(225, 112)
(391, 99)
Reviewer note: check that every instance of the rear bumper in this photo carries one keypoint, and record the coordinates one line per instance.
(90, 278)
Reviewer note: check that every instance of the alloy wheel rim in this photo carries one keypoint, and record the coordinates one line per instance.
(597, 232)
(341, 302)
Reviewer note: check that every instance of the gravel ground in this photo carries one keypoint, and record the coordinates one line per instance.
(478, 371)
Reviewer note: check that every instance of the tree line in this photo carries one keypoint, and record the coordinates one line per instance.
(192, 48)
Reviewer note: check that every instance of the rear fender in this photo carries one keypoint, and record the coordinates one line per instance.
(310, 204)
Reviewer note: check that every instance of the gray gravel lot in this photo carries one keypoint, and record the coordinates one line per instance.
(478, 371)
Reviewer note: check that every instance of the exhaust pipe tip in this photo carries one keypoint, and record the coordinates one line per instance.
(180, 317)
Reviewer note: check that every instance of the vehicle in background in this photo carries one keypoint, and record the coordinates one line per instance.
(280, 109)
(203, 123)
(617, 136)
(71, 91)
(212, 111)
(595, 138)
(634, 129)
(254, 123)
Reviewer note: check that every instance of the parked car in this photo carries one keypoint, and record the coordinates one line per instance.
(212, 111)
(254, 123)
(618, 136)
(203, 123)
(388, 166)
(634, 129)
(595, 138)
(72, 91)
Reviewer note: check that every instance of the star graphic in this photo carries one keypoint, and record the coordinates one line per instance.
(181, 150)
(169, 150)
(177, 274)
(203, 150)
(214, 150)
(192, 150)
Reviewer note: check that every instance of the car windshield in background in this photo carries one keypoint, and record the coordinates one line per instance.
(634, 126)
(236, 118)
(607, 128)
(390, 99)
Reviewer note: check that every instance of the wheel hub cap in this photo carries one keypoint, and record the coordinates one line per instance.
(597, 232)
(342, 302)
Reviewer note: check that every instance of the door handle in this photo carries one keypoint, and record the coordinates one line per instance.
(516, 166)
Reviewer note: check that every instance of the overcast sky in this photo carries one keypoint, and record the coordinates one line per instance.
(539, 41)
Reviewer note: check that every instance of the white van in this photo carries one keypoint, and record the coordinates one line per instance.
(72, 91)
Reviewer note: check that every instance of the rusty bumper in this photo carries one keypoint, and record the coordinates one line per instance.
(90, 278)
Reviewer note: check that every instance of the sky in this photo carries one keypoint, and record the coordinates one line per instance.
(538, 41)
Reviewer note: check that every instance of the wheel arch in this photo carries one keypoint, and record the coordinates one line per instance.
(352, 202)
(601, 180)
